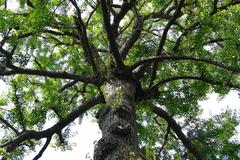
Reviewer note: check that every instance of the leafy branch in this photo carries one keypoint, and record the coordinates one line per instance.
(55, 129)
(188, 58)
(177, 129)
(163, 38)
(83, 36)
(152, 90)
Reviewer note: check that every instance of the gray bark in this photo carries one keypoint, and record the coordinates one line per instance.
(117, 121)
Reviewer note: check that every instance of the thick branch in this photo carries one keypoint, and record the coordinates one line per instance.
(8, 55)
(30, 4)
(177, 129)
(214, 3)
(178, 58)
(31, 134)
(111, 36)
(51, 74)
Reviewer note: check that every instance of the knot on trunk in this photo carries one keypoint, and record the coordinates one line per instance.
(115, 121)
(120, 129)
(124, 112)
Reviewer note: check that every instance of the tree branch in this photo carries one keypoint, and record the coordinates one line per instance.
(61, 33)
(90, 16)
(177, 129)
(9, 125)
(188, 58)
(166, 135)
(39, 155)
(111, 36)
(214, 3)
(132, 38)
(30, 4)
(51, 74)
(185, 33)
(124, 10)
(163, 38)
(31, 134)
(214, 11)
(68, 85)
(151, 90)
(83, 36)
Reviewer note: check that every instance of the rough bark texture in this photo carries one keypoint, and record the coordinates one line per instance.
(117, 121)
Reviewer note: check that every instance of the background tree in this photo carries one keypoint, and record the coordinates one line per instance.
(138, 66)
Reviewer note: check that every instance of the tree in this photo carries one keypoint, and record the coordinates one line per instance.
(140, 67)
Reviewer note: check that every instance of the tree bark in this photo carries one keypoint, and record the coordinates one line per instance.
(117, 121)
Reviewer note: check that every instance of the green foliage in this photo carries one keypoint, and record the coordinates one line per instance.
(22, 3)
(4, 153)
(3, 101)
(47, 38)
(215, 135)
(8, 20)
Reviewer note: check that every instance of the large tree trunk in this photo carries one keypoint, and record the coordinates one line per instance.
(117, 121)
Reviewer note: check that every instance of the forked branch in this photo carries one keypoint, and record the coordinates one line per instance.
(83, 36)
(111, 36)
(125, 7)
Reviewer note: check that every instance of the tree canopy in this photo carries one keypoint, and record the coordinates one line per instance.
(57, 55)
